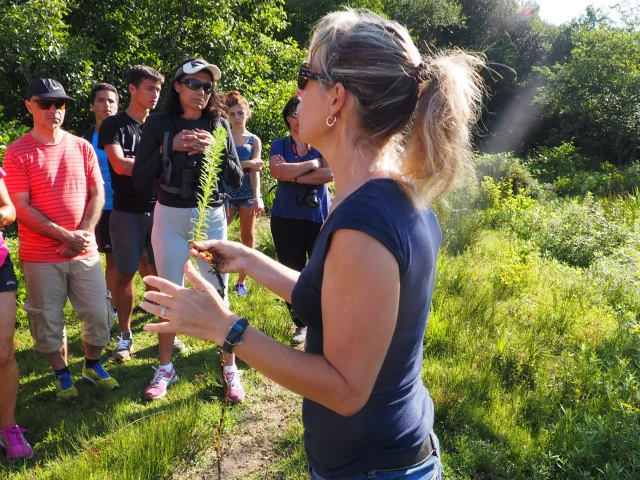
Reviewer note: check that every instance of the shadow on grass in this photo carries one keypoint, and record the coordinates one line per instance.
(56, 427)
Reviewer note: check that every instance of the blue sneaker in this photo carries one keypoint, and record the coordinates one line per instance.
(65, 386)
(98, 376)
(241, 289)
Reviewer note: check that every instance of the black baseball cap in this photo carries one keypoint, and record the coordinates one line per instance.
(195, 66)
(46, 88)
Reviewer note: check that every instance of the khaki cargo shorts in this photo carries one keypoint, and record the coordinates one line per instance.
(48, 287)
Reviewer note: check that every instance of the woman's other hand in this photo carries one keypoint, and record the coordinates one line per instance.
(198, 313)
(256, 164)
(257, 207)
(230, 256)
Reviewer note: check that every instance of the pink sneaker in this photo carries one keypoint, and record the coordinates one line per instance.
(14, 443)
(236, 391)
(161, 381)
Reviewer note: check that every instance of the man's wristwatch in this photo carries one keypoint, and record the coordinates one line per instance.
(234, 335)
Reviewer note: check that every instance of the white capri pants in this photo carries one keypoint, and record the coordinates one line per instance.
(170, 241)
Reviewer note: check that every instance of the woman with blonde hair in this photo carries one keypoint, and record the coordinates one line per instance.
(395, 129)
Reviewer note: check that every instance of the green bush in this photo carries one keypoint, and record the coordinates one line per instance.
(9, 131)
(504, 167)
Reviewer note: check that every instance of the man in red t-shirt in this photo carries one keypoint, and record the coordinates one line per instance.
(54, 181)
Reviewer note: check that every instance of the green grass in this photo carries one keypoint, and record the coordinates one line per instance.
(532, 360)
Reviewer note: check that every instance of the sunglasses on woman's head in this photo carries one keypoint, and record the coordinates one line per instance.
(305, 74)
(45, 104)
(195, 85)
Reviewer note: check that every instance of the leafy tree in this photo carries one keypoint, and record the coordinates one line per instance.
(595, 93)
(83, 42)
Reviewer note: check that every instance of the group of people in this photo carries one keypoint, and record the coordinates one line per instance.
(394, 129)
(129, 192)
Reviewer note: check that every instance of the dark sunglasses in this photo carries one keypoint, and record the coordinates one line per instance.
(305, 74)
(293, 114)
(195, 85)
(60, 103)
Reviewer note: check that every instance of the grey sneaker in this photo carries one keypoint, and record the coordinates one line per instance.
(299, 336)
(179, 346)
(122, 352)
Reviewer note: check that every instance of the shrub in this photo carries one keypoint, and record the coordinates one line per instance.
(504, 167)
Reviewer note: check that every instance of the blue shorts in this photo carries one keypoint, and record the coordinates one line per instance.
(245, 202)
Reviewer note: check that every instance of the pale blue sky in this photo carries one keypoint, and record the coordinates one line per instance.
(559, 11)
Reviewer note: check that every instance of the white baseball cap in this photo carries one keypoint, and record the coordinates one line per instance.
(195, 66)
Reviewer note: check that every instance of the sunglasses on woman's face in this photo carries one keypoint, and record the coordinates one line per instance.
(305, 74)
(195, 85)
(45, 104)
(293, 114)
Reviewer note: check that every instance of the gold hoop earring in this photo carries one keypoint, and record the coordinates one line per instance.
(335, 119)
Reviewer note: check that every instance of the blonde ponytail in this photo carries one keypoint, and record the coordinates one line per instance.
(438, 146)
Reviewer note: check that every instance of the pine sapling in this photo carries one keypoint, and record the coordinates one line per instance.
(208, 182)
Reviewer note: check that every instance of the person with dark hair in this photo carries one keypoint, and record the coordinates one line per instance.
(54, 181)
(302, 200)
(131, 219)
(396, 129)
(171, 152)
(103, 102)
(11, 435)
(247, 199)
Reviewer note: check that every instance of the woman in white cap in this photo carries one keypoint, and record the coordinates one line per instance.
(171, 151)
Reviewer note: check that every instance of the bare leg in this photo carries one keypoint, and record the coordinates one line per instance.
(165, 343)
(124, 297)
(58, 360)
(145, 268)
(91, 351)
(247, 233)
(110, 272)
(9, 373)
(231, 214)
(229, 359)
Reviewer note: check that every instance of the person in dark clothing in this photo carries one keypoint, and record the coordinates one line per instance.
(302, 200)
(103, 101)
(395, 127)
(193, 110)
(131, 219)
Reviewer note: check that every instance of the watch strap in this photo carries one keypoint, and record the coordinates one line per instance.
(235, 334)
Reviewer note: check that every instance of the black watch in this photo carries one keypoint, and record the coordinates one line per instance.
(234, 335)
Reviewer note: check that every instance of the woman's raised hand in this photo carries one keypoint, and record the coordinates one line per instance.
(231, 257)
(198, 313)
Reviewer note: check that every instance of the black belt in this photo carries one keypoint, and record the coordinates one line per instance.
(411, 458)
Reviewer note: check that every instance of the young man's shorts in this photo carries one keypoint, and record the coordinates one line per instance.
(130, 235)
(247, 202)
(8, 280)
(48, 287)
(103, 236)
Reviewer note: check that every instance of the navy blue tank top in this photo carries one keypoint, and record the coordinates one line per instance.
(399, 413)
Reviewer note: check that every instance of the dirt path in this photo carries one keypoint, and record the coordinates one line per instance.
(250, 445)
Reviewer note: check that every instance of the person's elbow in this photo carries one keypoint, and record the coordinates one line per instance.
(277, 173)
(351, 402)
(9, 214)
